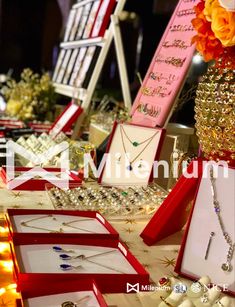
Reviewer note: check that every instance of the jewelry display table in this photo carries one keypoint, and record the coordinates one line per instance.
(159, 260)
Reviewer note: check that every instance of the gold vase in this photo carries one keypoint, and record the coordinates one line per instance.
(215, 113)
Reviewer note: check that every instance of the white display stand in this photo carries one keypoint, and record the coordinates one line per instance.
(122, 154)
(85, 94)
(203, 222)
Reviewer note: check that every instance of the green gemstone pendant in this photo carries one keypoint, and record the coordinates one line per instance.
(135, 144)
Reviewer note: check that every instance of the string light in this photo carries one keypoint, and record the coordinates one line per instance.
(11, 287)
(4, 247)
(3, 230)
(2, 291)
(7, 265)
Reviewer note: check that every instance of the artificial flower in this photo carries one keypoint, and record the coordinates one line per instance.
(206, 42)
(32, 98)
(223, 25)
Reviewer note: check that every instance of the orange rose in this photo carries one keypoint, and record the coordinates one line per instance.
(223, 25)
(206, 42)
(210, 5)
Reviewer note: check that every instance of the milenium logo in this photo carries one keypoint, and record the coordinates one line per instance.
(150, 288)
(37, 161)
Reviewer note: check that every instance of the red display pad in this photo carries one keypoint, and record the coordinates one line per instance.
(36, 262)
(11, 123)
(38, 184)
(102, 18)
(173, 213)
(166, 74)
(27, 222)
(194, 260)
(83, 292)
(132, 151)
(40, 128)
(66, 119)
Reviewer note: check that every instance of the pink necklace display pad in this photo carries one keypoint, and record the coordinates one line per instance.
(167, 70)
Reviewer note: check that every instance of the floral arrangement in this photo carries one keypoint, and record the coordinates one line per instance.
(215, 26)
(32, 98)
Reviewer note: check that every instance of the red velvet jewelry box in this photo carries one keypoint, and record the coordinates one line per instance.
(206, 205)
(107, 282)
(66, 119)
(63, 288)
(36, 184)
(108, 230)
(173, 213)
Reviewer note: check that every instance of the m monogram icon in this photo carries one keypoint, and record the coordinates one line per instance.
(134, 288)
(37, 161)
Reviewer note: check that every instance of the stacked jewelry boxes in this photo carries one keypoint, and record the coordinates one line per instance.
(50, 246)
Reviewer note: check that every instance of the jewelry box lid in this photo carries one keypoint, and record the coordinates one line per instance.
(64, 122)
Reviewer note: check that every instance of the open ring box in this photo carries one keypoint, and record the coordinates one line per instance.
(131, 153)
(45, 260)
(85, 291)
(192, 261)
(84, 224)
(35, 178)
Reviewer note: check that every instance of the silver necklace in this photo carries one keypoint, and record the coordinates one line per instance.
(227, 266)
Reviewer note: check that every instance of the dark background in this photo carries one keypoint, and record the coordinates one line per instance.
(30, 32)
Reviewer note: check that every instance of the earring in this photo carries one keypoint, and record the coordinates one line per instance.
(118, 157)
(140, 164)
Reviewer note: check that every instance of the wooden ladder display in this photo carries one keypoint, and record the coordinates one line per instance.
(85, 94)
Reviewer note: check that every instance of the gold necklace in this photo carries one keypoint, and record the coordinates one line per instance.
(75, 227)
(25, 224)
(61, 230)
(135, 144)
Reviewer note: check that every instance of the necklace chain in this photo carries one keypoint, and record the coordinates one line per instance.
(225, 266)
(149, 140)
(138, 143)
(25, 224)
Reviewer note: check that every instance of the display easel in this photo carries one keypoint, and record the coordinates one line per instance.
(85, 94)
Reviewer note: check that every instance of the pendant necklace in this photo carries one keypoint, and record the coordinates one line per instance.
(135, 144)
(226, 266)
(60, 230)
(25, 224)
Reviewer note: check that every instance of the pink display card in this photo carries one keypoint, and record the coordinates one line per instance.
(168, 69)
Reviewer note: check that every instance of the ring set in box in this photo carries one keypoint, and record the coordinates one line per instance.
(114, 202)
(90, 250)
(26, 179)
(84, 293)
